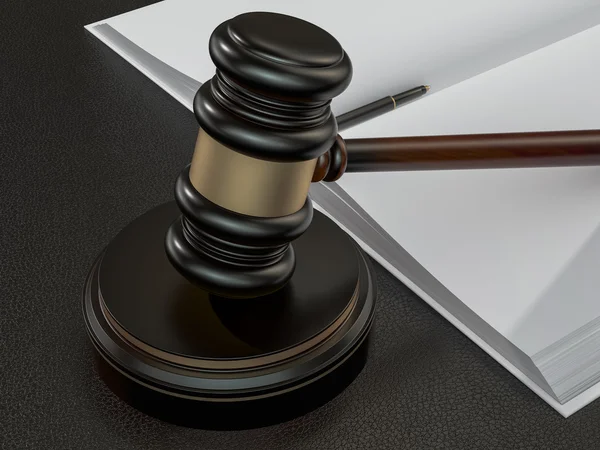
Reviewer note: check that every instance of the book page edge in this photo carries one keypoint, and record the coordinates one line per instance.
(566, 409)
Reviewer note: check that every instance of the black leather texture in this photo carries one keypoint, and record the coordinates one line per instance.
(87, 144)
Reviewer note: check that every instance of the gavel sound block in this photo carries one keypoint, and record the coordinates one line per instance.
(238, 305)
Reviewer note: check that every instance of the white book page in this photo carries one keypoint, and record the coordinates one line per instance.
(394, 46)
(565, 409)
(502, 240)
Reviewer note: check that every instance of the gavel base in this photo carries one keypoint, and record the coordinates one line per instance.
(176, 352)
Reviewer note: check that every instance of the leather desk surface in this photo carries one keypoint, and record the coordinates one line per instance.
(87, 144)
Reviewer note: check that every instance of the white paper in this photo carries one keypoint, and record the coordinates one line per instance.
(393, 46)
(565, 409)
(500, 239)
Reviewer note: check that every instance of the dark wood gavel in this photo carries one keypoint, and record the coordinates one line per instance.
(238, 302)
(468, 151)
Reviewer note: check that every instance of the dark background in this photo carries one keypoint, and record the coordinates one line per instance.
(86, 145)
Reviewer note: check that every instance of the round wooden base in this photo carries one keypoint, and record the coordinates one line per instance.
(183, 355)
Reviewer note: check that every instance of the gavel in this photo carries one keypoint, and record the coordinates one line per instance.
(239, 305)
(460, 152)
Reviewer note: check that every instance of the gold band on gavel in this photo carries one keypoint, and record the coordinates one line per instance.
(247, 185)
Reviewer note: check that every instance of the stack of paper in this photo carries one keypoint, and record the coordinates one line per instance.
(508, 256)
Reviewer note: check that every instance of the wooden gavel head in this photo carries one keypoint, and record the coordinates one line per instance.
(265, 121)
(162, 302)
(174, 348)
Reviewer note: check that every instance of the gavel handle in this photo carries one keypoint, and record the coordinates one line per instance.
(469, 151)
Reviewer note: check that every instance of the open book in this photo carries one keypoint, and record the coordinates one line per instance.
(507, 256)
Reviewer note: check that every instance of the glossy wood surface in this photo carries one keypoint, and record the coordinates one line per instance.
(479, 151)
